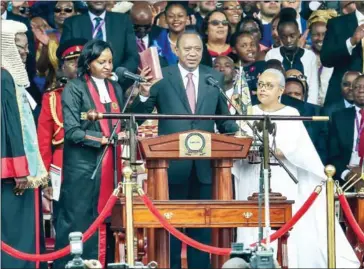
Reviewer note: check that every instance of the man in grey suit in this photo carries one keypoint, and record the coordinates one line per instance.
(184, 90)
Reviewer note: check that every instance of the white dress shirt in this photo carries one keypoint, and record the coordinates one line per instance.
(360, 18)
(347, 104)
(103, 92)
(4, 15)
(103, 28)
(195, 78)
(355, 159)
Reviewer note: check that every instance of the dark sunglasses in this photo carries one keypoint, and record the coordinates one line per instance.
(59, 10)
(217, 22)
(24, 10)
(270, 1)
(299, 77)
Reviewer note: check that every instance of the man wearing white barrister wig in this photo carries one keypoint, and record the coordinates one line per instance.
(22, 169)
(307, 241)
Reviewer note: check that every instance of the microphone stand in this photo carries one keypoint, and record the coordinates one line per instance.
(270, 150)
(114, 138)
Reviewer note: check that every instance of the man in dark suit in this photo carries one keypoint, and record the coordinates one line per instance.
(184, 90)
(345, 135)
(115, 28)
(342, 49)
(347, 94)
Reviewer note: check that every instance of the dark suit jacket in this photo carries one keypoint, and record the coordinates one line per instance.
(119, 34)
(341, 139)
(169, 97)
(335, 54)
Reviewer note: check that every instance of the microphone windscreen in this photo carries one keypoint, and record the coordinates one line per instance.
(235, 263)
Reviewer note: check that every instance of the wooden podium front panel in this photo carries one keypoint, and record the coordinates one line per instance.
(203, 213)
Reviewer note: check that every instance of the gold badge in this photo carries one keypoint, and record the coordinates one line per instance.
(195, 145)
(114, 105)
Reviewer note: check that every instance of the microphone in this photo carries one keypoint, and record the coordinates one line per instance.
(123, 72)
(237, 263)
(212, 82)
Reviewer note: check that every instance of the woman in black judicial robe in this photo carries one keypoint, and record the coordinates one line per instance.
(83, 199)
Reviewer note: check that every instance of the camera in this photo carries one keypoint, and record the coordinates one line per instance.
(76, 246)
(257, 258)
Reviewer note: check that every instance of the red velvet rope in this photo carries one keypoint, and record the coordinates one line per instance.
(66, 250)
(288, 225)
(225, 251)
(350, 217)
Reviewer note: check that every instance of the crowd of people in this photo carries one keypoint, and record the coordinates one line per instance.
(270, 57)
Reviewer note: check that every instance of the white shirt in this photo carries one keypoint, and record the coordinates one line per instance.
(229, 94)
(355, 159)
(146, 41)
(103, 92)
(310, 68)
(195, 78)
(184, 73)
(4, 15)
(103, 28)
(298, 20)
(347, 104)
(360, 18)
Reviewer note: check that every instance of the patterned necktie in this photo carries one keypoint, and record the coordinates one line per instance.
(141, 45)
(191, 93)
(99, 34)
(361, 137)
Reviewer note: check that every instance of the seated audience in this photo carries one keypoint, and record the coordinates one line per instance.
(292, 56)
(217, 31)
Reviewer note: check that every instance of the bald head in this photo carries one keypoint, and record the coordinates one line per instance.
(141, 16)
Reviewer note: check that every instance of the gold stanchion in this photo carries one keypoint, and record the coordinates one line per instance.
(330, 203)
(128, 191)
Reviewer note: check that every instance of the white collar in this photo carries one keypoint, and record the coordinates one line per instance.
(357, 109)
(229, 92)
(347, 104)
(5, 15)
(359, 16)
(93, 16)
(185, 72)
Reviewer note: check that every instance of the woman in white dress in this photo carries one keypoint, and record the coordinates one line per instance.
(307, 241)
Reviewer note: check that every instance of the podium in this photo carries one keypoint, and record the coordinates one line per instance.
(221, 214)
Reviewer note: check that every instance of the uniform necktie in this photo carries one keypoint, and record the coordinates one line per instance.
(361, 136)
(99, 34)
(191, 93)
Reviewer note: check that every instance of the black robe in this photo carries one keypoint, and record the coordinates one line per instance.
(19, 225)
(79, 203)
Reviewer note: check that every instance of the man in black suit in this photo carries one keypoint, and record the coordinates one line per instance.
(344, 135)
(115, 28)
(184, 90)
(342, 49)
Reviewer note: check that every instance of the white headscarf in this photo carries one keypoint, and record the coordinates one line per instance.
(10, 57)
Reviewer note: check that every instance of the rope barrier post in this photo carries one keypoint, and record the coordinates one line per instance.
(128, 191)
(330, 203)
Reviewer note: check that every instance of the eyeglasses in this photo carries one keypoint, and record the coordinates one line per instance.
(299, 77)
(217, 22)
(269, 86)
(139, 26)
(347, 84)
(270, 1)
(66, 10)
(232, 8)
(24, 10)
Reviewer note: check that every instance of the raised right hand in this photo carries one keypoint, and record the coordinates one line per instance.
(144, 89)
(358, 35)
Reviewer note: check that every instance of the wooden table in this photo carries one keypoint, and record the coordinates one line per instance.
(204, 214)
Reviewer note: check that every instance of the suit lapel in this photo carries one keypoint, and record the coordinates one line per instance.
(86, 26)
(202, 90)
(175, 79)
(349, 126)
(108, 24)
